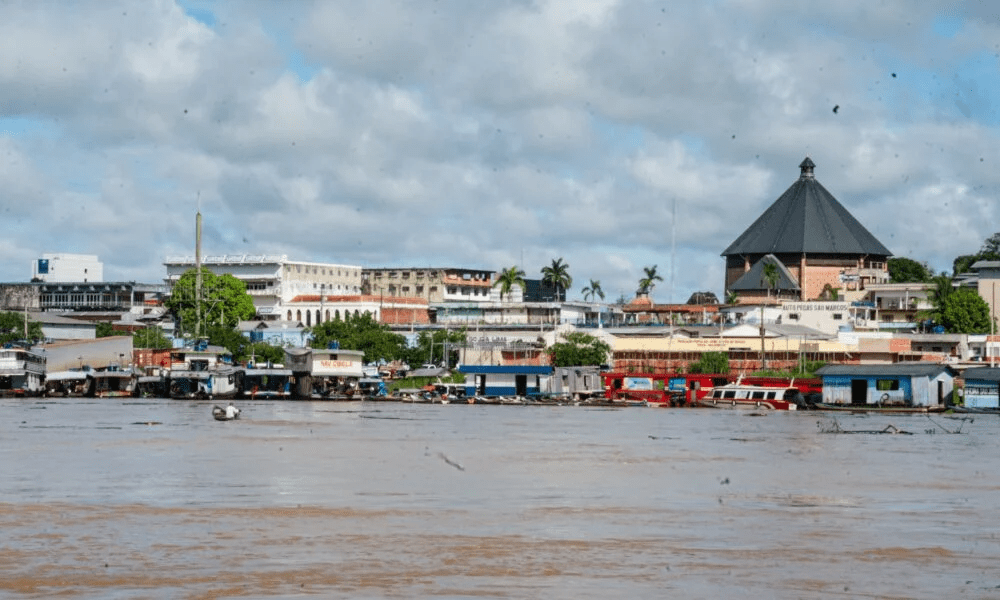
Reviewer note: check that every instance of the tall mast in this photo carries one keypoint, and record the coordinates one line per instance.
(197, 277)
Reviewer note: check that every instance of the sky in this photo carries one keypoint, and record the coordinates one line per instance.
(612, 134)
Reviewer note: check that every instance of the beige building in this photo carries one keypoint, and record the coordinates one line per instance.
(432, 284)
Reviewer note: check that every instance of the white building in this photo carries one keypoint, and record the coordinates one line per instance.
(273, 281)
(67, 268)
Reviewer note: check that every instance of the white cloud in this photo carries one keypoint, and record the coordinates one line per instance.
(485, 135)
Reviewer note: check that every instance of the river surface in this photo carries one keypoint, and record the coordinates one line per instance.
(154, 499)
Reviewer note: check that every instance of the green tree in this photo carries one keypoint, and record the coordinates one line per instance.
(12, 328)
(429, 347)
(507, 279)
(592, 290)
(579, 349)
(710, 362)
(151, 337)
(648, 282)
(363, 333)
(990, 250)
(557, 276)
(938, 297)
(965, 311)
(224, 301)
(104, 329)
(906, 270)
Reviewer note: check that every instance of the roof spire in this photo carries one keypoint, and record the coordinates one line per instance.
(807, 167)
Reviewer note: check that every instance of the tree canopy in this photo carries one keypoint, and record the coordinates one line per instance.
(990, 250)
(965, 311)
(12, 328)
(363, 333)
(151, 337)
(579, 349)
(430, 347)
(710, 362)
(593, 290)
(224, 301)
(508, 278)
(648, 281)
(557, 275)
(907, 270)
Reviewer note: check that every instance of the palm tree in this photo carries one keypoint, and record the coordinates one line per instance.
(647, 283)
(507, 279)
(943, 288)
(594, 289)
(557, 275)
(769, 277)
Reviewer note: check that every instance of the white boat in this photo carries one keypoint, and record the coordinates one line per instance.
(203, 372)
(741, 395)
(22, 372)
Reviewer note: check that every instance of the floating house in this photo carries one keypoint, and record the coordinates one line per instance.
(982, 387)
(325, 372)
(512, 380)
(913, 384)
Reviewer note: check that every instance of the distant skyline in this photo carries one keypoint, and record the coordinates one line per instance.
(486, 135)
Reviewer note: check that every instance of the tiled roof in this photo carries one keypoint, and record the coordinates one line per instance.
(806, 219)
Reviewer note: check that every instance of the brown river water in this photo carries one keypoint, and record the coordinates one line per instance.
(155, 499)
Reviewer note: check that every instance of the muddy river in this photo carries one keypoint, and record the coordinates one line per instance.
(155, 499)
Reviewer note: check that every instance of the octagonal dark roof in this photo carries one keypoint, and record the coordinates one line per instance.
(806, 219)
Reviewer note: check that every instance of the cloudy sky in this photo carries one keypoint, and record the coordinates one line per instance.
(615, 135)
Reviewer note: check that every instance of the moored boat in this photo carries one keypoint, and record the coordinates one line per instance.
(203, 372)
(22, 372)
(742, 395)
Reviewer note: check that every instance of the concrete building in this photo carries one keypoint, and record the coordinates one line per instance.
(899, 305)
(67, 268)
(433, 284)
(273, 280)
(987, 282)
(816, 243)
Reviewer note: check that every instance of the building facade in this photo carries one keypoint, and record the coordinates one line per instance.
(273, 280)
(67, 268)
(448, 284)
(817, 244)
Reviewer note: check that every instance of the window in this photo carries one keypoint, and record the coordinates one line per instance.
(886, 385)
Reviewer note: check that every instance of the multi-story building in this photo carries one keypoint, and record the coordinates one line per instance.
(435, 285)
(63, 268)
(272, 280)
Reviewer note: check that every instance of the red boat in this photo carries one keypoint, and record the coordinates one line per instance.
(688, 389)
(743, 395)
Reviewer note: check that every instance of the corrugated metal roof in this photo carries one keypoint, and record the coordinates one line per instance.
(982, 374)
(754, 278)
(806, 219)
(914, 369)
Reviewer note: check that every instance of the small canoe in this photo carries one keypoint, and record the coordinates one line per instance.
(219, 413)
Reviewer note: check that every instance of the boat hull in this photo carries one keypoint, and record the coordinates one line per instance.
(875, 408)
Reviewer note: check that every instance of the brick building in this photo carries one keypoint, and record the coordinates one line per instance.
(815, 243)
